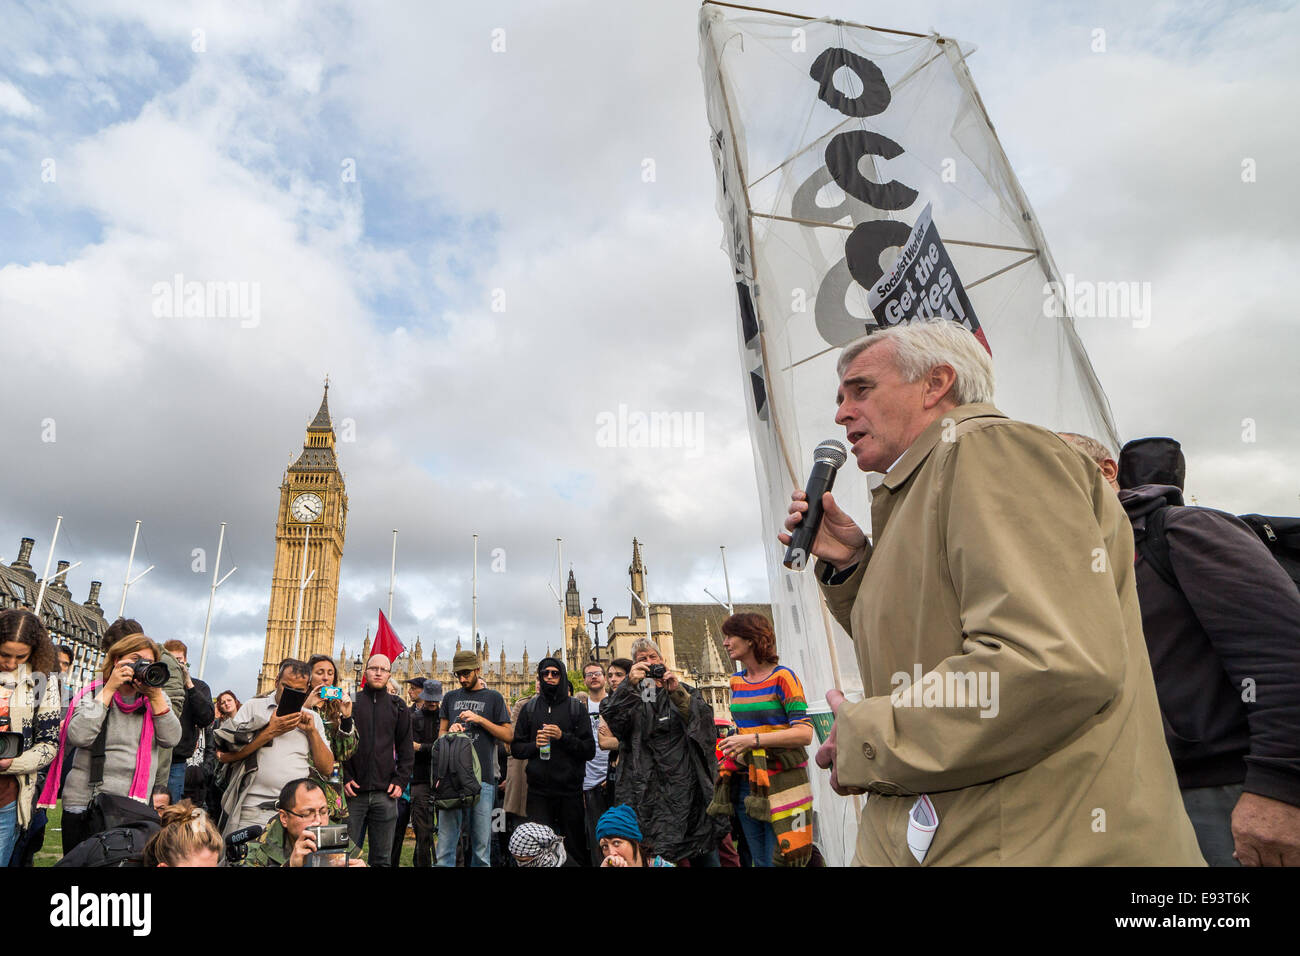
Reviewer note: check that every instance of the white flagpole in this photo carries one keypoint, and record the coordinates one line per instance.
(392, 575)
(128, 580)
(45, 575)
(726, 577)
(212, 596)
(474, 597)
(302, 586)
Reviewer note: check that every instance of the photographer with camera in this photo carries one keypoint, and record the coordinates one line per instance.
(196, 714)
(301, 833)
(270, 741)
(667, 762)
(122, 726)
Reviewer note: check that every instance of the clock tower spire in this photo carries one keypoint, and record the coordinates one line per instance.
(312, 497)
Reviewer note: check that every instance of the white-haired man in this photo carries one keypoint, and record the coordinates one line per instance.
(1010, 714)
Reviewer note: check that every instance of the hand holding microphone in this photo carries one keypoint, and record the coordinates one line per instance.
(816, 525)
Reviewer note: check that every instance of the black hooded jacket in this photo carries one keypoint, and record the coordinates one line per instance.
(1224, 647)
(563, 772)
(667, 765)
(384, 755)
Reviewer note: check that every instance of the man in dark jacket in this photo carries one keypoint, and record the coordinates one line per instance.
(424, 733)
(553, 733)
(667, 763)
(1224, 640)
(196, 715)
(376, 774)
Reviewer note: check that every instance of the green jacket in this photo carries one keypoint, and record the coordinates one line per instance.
(272, 848)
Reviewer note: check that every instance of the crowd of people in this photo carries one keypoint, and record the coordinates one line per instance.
(1062, 664)
(633, 770)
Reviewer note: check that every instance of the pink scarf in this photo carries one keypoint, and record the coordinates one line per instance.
(141, 780)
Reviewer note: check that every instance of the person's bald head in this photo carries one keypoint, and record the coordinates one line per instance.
(378, 669)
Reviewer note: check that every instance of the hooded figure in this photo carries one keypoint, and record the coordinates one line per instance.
(559, 772)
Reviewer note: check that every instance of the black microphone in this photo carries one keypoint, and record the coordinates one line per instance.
(827, 458)
(246, 835)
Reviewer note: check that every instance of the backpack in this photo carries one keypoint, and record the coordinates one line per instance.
(1280, 535)
(457, 777)
(119, 847)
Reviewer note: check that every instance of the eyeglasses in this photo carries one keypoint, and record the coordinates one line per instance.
(310, 814)
(379, 670)
(463, 673)
(550, 672)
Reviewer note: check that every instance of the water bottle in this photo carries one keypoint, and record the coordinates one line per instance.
(545, 750)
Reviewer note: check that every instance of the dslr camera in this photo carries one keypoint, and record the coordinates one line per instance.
(331, 845)
(149, 673)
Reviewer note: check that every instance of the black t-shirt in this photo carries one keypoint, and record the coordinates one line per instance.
(492, 707)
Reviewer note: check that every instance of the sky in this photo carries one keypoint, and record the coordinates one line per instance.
(444, 208)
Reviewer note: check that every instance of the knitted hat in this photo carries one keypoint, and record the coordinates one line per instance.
(619, 821)
(465, 661)
(533, 844)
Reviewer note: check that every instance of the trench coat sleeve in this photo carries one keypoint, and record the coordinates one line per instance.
(1250, 612)
(1037, 593)
(840, 597)
(620, 710)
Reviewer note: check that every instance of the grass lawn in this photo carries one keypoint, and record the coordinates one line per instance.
(52, 848)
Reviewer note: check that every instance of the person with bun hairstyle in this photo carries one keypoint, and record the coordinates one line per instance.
(187, 838)
(29, 705)
(137, 727)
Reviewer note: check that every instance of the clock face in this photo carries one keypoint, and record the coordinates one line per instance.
(307, 508)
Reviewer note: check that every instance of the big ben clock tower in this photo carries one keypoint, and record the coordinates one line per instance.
(310, 523)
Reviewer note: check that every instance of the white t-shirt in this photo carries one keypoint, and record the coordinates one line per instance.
(598, 766)
(285, 758)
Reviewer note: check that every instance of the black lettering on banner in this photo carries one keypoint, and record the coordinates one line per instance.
(835, 323)
(844, 152)
(875, 95)
(865, 244)
(760, 393)
(748, 320)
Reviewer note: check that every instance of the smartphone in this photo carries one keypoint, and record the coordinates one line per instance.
(291, 702)
(328, 692)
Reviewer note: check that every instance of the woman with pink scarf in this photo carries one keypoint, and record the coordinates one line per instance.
(138, 727)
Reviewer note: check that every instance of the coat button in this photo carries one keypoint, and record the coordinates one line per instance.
(868, 751)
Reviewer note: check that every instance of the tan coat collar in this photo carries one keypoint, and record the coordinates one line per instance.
(920, 449)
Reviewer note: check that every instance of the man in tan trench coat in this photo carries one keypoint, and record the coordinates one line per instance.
(997, 626)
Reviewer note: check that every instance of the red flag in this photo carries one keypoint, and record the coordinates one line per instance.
(386, 641)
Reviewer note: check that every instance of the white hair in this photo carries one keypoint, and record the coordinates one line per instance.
(920, 346)
(645, 644)
(1090, 446)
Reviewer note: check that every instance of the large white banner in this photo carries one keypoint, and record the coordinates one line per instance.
(829, 139)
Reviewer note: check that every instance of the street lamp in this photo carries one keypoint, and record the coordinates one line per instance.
(356, 675)
(596, 616)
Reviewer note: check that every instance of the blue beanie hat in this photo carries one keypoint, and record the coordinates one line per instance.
(619, 821)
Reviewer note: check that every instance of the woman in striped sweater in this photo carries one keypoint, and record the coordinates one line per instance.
(763, 776)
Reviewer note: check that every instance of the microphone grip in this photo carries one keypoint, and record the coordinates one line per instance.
(799, 553)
